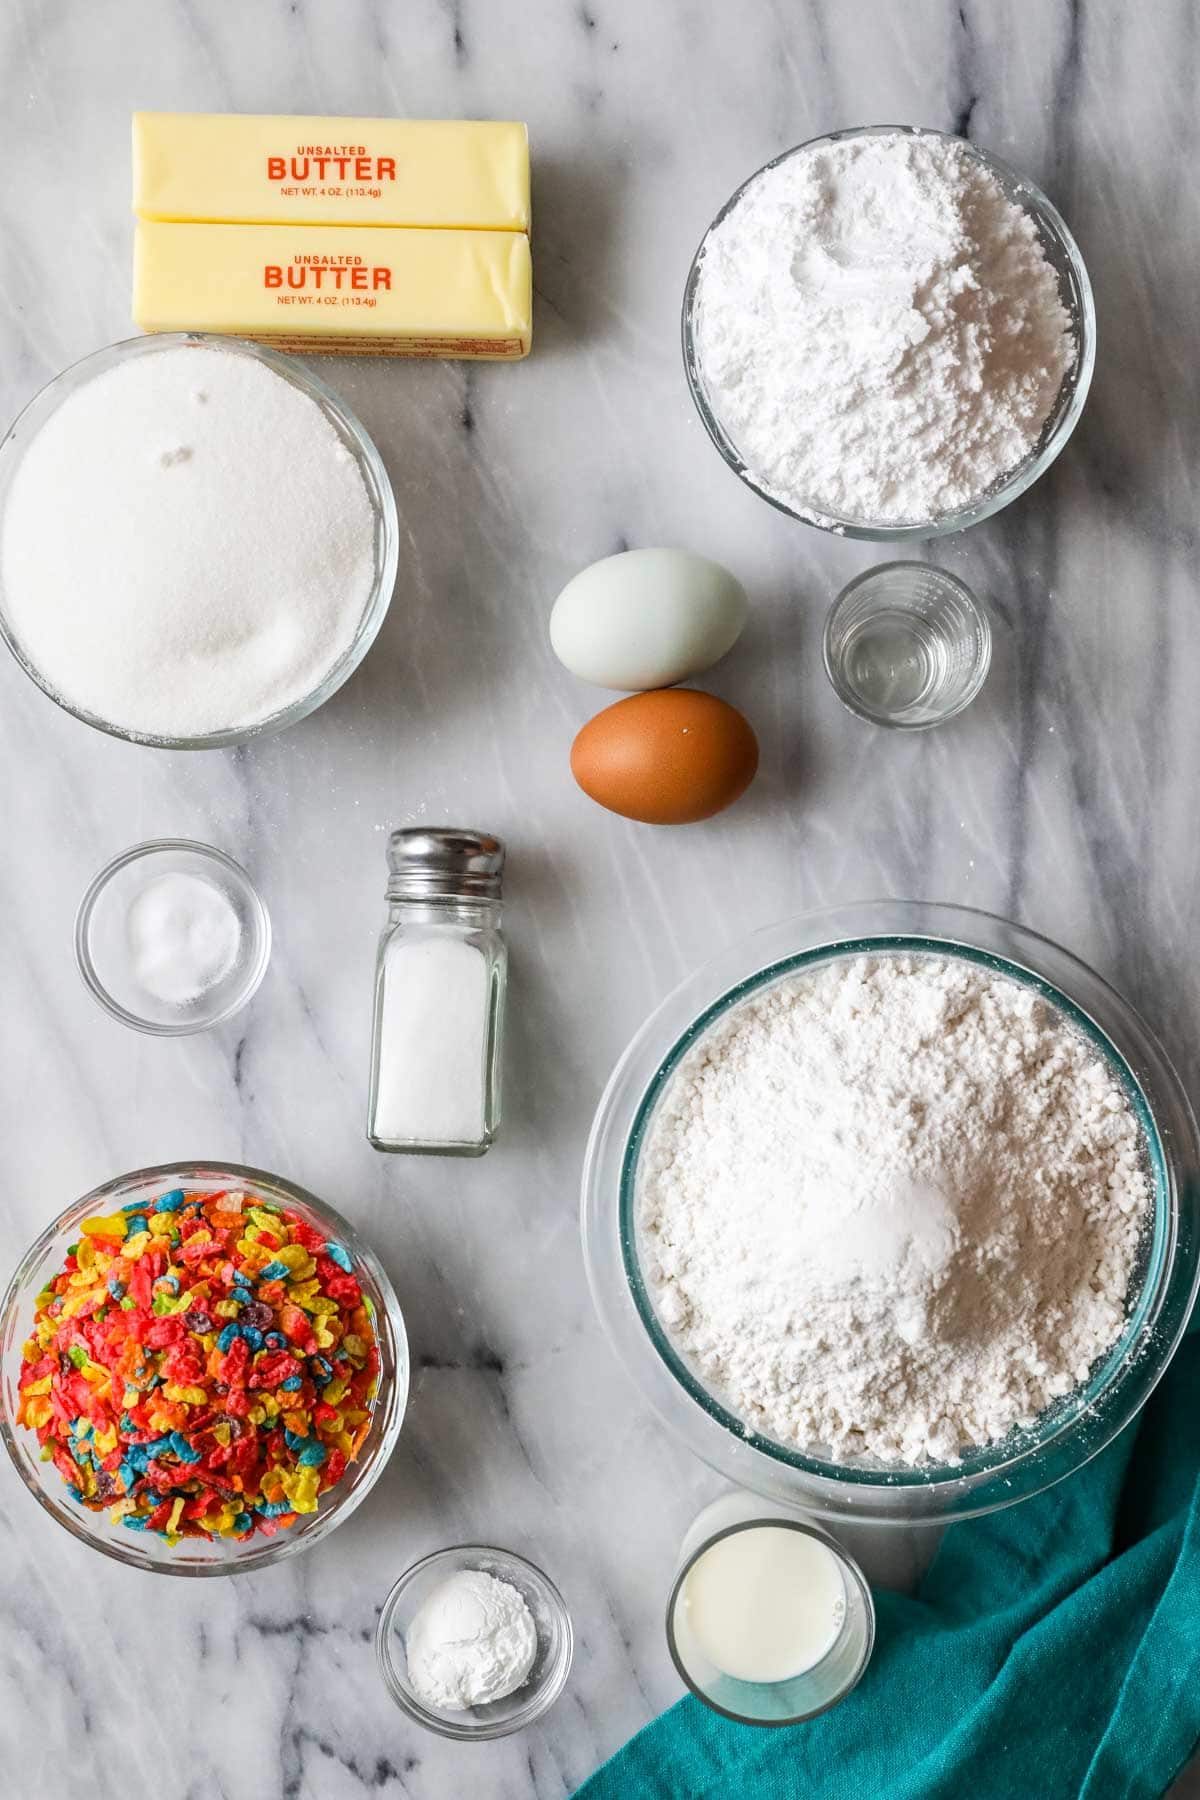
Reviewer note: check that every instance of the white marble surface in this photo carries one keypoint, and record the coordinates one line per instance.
(1065, 797)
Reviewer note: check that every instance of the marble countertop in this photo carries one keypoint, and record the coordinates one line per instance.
(1065, 797)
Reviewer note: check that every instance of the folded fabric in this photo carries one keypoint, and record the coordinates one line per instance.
(1052, 1652)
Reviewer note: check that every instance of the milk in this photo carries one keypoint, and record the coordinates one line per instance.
(764, 1603)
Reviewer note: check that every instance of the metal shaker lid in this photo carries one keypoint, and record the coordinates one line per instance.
(444, 861)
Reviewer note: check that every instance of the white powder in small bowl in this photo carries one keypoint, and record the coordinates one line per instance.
(187, 546)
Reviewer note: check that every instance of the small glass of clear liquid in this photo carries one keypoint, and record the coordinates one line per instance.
(907, 645)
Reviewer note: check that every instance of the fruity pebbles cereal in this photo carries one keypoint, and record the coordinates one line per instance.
(203, 1366)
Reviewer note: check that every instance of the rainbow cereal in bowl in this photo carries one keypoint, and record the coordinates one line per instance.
(203, 1369)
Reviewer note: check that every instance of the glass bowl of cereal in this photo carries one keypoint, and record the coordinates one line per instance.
(938, 1399)
(203, 1369)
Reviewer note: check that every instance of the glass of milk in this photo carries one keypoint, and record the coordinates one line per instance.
(769, 1621)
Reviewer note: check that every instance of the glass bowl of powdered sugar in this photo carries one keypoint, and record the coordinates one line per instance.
(198, 541)
(892, 1211)
(888, 333)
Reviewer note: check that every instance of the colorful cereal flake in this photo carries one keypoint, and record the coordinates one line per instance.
(205, 1367)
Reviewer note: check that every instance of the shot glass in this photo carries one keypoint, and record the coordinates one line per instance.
(907, 645)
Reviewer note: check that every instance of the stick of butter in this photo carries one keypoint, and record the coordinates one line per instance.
(334, 289)
(238, 168)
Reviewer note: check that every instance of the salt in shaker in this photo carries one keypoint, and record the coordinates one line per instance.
(439, 996)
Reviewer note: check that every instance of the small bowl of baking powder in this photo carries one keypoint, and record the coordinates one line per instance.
(474, 1642)
(888, 333)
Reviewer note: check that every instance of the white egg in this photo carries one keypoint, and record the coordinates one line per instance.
(647, 618)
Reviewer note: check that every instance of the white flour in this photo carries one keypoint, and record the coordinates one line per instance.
(892, 1208)
(879, 331)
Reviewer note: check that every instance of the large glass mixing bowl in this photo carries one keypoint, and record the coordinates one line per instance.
(1069, 1433)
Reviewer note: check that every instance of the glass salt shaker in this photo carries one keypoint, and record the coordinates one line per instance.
(439, 996)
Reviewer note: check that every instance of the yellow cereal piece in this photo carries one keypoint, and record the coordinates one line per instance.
(257, 1415)
(175, 1514)
(110, 1225)
(345, 1443)
(105, 1441)
(226, 1309)
(325, 1339)
(334, 1390)
(41, 1386)
(134, 1247)
(293, 1256)
(221, 1432)
(264, 1220)
(161, 1224)
(185, 1396)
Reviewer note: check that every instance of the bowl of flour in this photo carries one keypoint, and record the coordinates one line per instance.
(892, 1211)
(888, 332)
(198, 541)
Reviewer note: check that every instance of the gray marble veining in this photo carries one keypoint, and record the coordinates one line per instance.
(1066, 796)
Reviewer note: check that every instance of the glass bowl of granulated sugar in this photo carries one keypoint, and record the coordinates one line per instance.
(888, 333)
(892, 1212)
(198, 541)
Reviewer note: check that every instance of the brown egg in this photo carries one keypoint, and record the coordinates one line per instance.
(666, 757)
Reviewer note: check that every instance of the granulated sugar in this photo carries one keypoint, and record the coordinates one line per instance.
(879, 330)
(187, 545)
(892, 1207)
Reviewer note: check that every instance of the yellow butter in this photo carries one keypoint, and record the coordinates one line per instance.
(258, 169)
(329, 289)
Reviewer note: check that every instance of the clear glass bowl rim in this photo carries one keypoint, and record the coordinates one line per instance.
(95, 888)
(1077, 297)
(390, 1403)
(1068, 1436)
(983, 626)
(538, 1705)
(46, 401)
(850, 1568)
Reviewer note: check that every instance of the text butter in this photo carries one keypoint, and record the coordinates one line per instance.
(328, 288)
(235, 168)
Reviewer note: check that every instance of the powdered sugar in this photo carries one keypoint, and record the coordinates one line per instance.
(879, 331)
(892, 1207)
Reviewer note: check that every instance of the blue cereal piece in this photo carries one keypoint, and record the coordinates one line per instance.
(275, 1340)
(242, 1295)
(273, 1271)
(243, 1522)
(320, 1369)
(253, 1337)
(271, 1509)
(226, 1339)
(115, 1286)
(169, 1202)
(295, 1440)
(134, 1522)
(313, 1454)
(183, 1449)
(337, 1254)
(75, 1493)
(292, 1383)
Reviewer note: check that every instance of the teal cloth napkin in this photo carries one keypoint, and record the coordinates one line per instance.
(1051, 1652)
